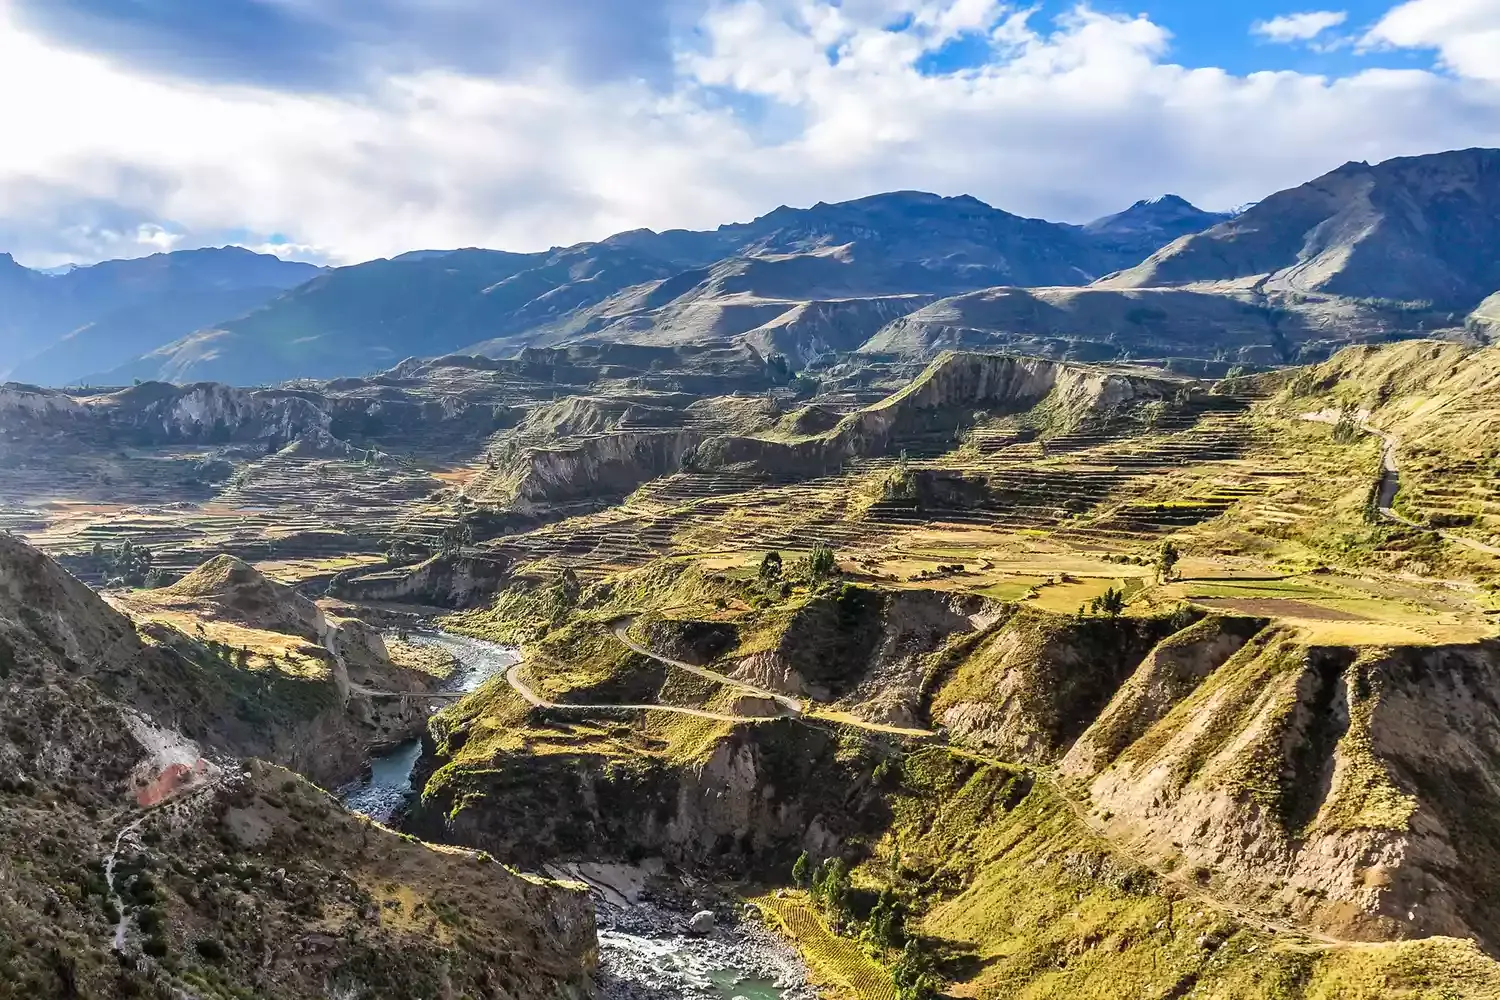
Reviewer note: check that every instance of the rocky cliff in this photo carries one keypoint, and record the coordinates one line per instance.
(241, 878)
(443, 581)
(944, 397)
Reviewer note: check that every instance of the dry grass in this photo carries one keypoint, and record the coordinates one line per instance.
(834, 961)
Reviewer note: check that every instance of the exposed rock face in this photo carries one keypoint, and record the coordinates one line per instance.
(613, 464)
(18, 401)
(945, 395)
(1322, 766)
(316, 722)
(1171, 672)
(1037, 681)
(1414, 228)
(444, 581)
(241, 864)
(158, 413)
(1486, 319)
(751, 798)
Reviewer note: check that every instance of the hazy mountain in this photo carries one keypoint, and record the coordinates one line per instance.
(637, 286)
(1153, 223)
(1485, 320)
(1421, 235)
(1420, 228)
(60, 327)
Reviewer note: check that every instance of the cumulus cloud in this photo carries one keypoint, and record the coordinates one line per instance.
(1302, 27)
(1068, 119)
(1465, 32)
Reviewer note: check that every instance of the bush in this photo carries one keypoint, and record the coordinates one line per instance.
(802, 869)
(210, 950)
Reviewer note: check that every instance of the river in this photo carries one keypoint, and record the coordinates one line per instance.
(644, 953)
(383, 794)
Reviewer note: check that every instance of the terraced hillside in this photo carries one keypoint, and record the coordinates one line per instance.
(1108, 680)
(1116, 682)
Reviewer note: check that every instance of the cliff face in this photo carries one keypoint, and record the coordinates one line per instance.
(1486, 319)
(942, 398)
(749, 798)
(442, 581)
(243, 874)
(158, 413)
(613, 464)
(1340, 784)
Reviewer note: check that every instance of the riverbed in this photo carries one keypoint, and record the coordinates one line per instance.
(645, 950)
(383, 793)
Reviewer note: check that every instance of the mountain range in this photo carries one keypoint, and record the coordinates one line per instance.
(58, 327)
(1364, 253)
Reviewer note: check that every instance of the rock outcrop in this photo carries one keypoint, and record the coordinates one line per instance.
(242, 872)
(443, 581)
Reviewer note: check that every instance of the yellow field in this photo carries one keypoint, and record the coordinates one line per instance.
(835, 961)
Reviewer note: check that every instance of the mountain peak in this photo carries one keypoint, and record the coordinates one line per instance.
(1344, 234)
(1157, 220)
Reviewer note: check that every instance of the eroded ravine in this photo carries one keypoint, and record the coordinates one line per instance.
(645, 950)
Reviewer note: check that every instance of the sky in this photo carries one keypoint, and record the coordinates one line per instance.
(342, 130)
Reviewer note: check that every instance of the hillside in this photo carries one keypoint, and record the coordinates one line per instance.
(1191, 325)
(1101, 677)
(140, 860)
(1413, 229)
(643, 287)
(58, 329)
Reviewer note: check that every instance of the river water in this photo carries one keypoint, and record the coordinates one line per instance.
(643, 952)
(384, 793)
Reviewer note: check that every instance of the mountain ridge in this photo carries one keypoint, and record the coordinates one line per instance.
(60, 327)
(1416, 228)
(673, 286)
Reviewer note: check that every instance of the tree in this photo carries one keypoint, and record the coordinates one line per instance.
(770, 567)
(802, 869)
(1111, 602)
(568, 586)
(821, 564)
(913, 974)
(835, 894)
(887, 924)
(1166, 561)
(456, 537)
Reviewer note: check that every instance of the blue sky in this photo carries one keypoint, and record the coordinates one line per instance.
(343, 129)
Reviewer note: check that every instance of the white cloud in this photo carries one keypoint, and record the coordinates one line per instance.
(1075, 120)
(1299, 27)
(1465, 32)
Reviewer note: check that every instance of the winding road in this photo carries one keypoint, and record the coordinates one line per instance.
(1390, 480)
(621, 629)
(513, 678)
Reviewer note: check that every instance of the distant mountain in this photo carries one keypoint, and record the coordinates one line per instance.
(643, 286)
(1153, 223)
(1485, 320)
(58, 328)
(1416, 229)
